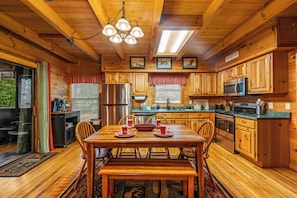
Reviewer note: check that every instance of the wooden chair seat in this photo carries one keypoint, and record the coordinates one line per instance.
(157, 152)
(126, 152)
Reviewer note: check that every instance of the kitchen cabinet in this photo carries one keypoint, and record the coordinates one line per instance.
(285, 36)
(180, 118)
(203, 84)
(139, 83)
(265, 142)
(238, 71)
(117, 78)
(220, 83)
(63, 126)
(196, 120)
(268, 74)
(245, 135)
(175, 118)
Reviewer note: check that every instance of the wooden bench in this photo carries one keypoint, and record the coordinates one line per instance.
(147, 169)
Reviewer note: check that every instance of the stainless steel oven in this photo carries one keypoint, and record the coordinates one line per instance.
(225, 131)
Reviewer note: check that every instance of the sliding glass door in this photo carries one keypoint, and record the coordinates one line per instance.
(16, 106)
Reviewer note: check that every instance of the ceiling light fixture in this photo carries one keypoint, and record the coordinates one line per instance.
(172, 41)
(121, 31)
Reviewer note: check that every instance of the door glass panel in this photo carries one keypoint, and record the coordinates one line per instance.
(16, 96)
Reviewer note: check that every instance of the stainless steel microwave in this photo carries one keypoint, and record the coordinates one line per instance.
(235, 87)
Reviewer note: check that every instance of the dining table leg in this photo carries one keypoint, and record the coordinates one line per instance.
(90, 169)
(199, 165)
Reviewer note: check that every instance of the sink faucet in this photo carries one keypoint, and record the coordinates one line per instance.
(168, 107)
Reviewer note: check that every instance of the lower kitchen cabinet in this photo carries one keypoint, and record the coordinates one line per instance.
(63, 126)
(196, 120)
(245, 137)
(192, 119)
(263, 141)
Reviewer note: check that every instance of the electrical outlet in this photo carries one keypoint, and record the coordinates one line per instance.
(288, 106)
(270, 105)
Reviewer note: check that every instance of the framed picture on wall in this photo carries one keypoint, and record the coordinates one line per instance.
(189, 62)
(164, 62)
(137, 62)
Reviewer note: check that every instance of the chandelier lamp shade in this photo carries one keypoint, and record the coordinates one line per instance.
(122, 30)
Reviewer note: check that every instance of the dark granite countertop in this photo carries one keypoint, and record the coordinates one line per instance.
(267, 115)
(171, 110)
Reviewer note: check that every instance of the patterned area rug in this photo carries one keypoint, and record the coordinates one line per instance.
(24, 164)
(145, 189)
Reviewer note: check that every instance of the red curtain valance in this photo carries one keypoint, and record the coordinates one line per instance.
(162, 79)
(96, 79)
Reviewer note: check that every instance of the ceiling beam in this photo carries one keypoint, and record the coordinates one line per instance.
(268, 12)
(169, 21)
(101, 15)
(41, 8)
(155, 26)
(21, 30)
(213, 10)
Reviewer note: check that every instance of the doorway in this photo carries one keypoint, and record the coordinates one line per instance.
(16, 106)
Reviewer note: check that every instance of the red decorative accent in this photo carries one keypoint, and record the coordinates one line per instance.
(162, 79)
(85, 79)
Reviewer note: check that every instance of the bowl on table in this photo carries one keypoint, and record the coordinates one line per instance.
(144, 127)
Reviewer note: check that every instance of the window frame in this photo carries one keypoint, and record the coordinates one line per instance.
(171, 101)
(88, 117)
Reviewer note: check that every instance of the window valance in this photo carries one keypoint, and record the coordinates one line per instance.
(162, 79)
(85, 78)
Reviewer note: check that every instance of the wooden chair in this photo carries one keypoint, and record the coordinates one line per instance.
(207, 131)
(157, 151)
(124, 152)
(83, 130)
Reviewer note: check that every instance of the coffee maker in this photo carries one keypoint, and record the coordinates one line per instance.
(59, 105)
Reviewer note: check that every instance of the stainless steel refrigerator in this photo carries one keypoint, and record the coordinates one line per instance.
(115, 102)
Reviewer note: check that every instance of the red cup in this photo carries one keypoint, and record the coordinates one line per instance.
(158, 122)
(124, 129)
(129, 122)
(163, 129)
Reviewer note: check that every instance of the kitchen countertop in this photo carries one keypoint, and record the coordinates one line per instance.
(172, 110)
(267, 115)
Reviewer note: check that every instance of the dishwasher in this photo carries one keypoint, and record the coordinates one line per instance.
(143, 116)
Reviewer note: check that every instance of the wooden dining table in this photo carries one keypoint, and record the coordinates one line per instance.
(106, 138)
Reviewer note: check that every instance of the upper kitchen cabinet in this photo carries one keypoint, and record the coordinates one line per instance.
(220, 83)
(238, 71)
(268, 74)
(286, 32)
(139, 83)
(203, 84)
(117, 78)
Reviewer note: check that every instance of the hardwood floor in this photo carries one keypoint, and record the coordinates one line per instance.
(239, 176)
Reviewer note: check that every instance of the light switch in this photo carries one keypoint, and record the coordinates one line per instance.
(288, 106)
(270, 105)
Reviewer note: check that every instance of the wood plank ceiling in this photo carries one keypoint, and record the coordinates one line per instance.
(62, 26)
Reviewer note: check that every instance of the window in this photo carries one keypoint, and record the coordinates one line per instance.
(85, 100)
(171, 91)
(7, 89)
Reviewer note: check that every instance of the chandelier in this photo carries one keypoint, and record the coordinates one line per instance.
(122, 30)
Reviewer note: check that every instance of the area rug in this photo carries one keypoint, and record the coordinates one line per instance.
(24, 164)
(145, 189)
